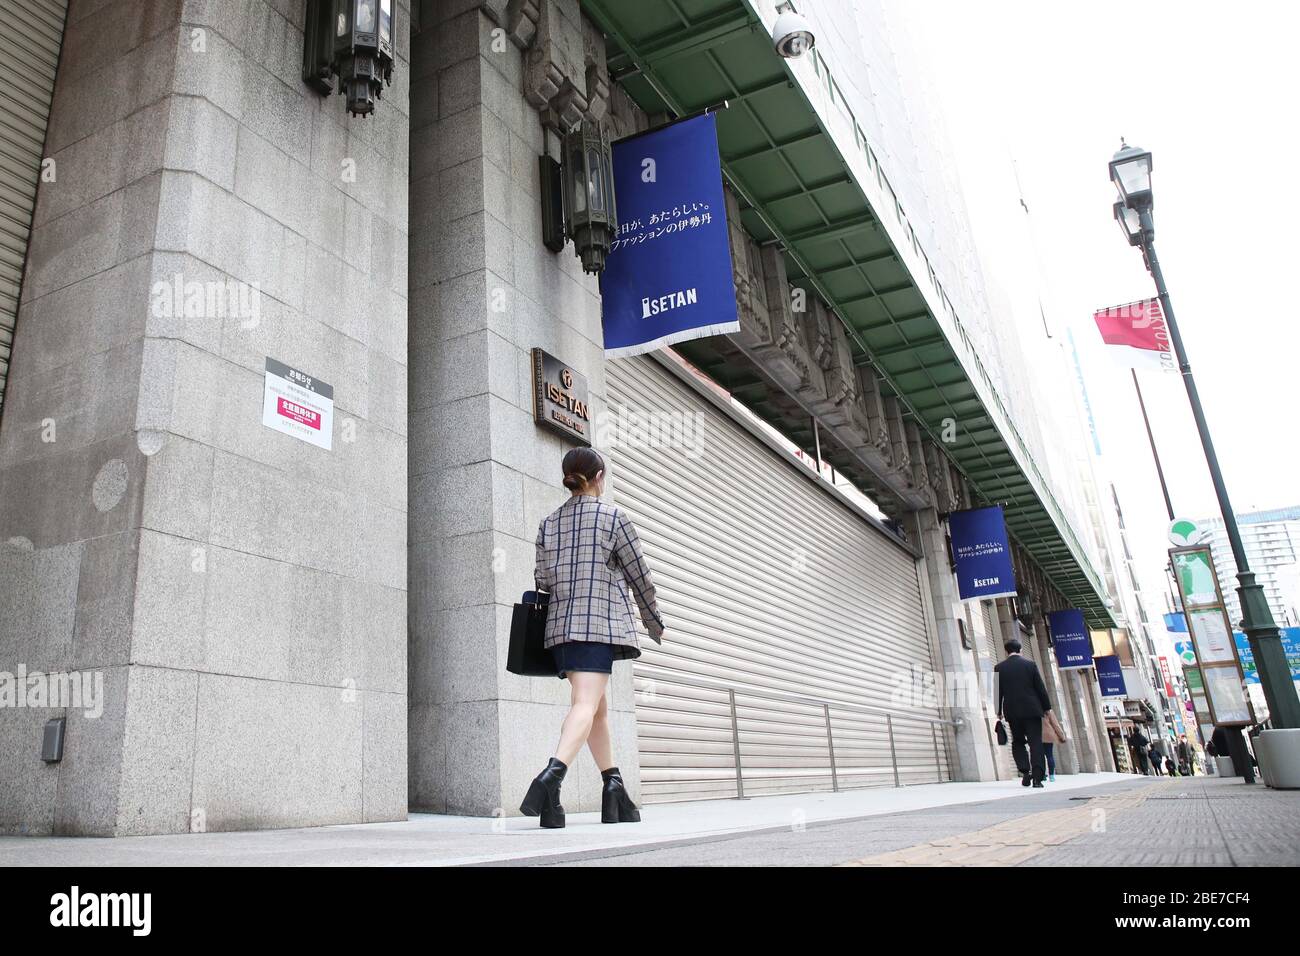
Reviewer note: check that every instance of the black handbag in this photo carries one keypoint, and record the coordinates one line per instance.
(1001, 733)
(527, 655)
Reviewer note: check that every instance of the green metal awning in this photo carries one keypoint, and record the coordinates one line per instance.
(799, 187)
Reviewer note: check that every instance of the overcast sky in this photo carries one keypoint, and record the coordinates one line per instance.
(1209, 89)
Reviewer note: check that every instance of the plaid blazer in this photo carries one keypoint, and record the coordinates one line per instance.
(588, 554)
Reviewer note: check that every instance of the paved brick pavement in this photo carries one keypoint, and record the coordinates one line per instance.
(1135, 822)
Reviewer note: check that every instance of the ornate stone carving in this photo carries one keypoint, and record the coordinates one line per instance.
(873, 402)
(920, 474)
(555, 65)
(940, 474)
(518, 18)
(785, 357)
(837, 362)
(813, 388)
(624, 117)
(596, 79)
(954, 484)
(566, 78)
(747, 276)
(900, 453)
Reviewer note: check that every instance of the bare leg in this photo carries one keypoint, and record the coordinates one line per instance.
(586, 692)
(598, 739)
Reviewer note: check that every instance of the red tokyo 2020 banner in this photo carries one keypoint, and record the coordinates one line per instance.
(1137, 334)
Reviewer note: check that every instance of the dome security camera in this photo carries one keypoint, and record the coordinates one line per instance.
(792, 35)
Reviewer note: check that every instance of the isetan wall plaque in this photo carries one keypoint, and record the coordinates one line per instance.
(560, 400)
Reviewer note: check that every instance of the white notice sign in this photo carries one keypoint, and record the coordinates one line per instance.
(298, 404)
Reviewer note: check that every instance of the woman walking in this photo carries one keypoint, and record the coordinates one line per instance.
(1053, 734)
(588, 554)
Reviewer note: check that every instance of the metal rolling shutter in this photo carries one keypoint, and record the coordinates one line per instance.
(1028, 649)
(725, 532)
(992, 641)
(31, 34)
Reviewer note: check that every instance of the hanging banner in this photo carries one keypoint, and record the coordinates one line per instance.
(982, 554)
(1070, 639)
(1167, 675)
(1110, 675)
(668, 276)
(1137, 334)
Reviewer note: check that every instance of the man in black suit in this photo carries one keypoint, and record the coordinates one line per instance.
(1022, 698)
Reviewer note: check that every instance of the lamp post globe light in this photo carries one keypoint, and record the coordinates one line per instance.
(1130, 171)
(1129, 222)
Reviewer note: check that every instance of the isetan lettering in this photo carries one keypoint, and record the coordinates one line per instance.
(570, 403)
(673, 300)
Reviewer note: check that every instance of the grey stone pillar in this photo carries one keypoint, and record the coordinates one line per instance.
(1090, 688)
(960, 677)
(1005, 622)
(1084, 729)
(240, 592)
(484, 291)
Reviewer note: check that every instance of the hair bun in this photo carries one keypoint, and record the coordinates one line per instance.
(581, 466)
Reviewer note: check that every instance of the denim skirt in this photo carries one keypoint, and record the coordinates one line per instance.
(594, 656)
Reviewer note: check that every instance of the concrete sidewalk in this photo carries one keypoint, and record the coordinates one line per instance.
(433, 839)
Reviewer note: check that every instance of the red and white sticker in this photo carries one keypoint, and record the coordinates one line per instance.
(298, 413)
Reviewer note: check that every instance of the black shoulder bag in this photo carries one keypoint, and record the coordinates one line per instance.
(528, 656)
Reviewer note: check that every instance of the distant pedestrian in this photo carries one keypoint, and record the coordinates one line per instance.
(1185, 765)
(1170, 768)
(1053, 734)
(1022, 698)
(1140, 744)
(1156, 760)
(1220, 745)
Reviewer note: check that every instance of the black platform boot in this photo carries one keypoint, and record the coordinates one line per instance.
(543, 796)
(615, 805)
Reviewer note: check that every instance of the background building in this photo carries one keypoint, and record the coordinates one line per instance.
(1272, 542)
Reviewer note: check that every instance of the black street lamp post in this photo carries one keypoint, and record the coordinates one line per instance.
(1130, 170)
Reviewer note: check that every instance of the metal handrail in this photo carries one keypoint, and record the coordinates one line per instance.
(799, 699)
(825, 706)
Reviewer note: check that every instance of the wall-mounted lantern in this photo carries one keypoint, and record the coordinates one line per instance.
(587, 174)
(351, 40)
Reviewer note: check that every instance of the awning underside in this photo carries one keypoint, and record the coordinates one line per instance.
(682, 56)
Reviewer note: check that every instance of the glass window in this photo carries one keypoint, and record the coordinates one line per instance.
(366, 16)
(597, 181)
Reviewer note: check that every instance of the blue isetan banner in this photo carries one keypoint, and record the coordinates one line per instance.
(1110, 675)
(668, 275)
(982, 554)
(1070, 638)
